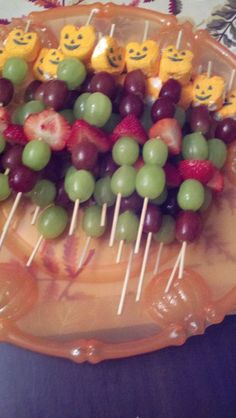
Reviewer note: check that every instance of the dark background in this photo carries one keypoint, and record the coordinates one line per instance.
(196, 380)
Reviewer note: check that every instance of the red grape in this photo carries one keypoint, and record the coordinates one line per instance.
(86, 86)
(84, 155)
(57, 166)
(62, 198)
(162, 108)
(107, 165)
(135, 83)
(188, 226)
(133, 202)
(39, 92)
(12, 157)
(104, 83)
(152, 221)
(200, 119)
(226, 130)
(171, 89)
(22, 179)
(131, 104)
(31, 90)
(6, 91)
(170, 206)
(71, 97)
(119, 94)
(55, 94)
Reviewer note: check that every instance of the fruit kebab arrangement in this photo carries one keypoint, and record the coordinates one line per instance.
(130, 134)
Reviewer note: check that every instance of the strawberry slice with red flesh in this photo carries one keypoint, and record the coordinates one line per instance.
(173, 177)
(169, 131)
(217, 181)
(5, 119)
(50, 126)
(82, 131)
(200, 170)
(130, 126)
(14, 134)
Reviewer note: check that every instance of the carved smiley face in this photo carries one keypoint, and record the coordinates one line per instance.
(38, 65)
(176, 64)
(143, 56)
(3, 58)
(77, 42)
(208, 91)
(229, 108)
(50, 62)
(108, 56)
(22, 44)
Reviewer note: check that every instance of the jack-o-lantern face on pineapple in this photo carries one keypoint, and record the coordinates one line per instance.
(208, 91)
(3, 58)
(176, 64)
(77, 42)
(38, 65)
(108, 56)
(228, 110)
(143, 56)
(22, 44)
(50, 62)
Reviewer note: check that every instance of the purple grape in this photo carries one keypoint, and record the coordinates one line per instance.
(170, 206)
(86, 86)
(55, 94)
(226, 130)
(71, 97)
(22, 179)
(172, 90)
(162, 108)
(12, 157)
(152, 221)
(57, 166)
(135, 83)
(107, 165)
(200, 119)
(103, 82)
(119, 94)
(6, 91)
(188, 226)
(84, 155)
(31, 90)
(133, 202)
(62, 198)
(131, 104)
(39, 92)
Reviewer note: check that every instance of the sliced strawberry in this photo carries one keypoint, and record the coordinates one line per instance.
(4, 119)
(49, 126)
(83, 131)
(169, 131)
(130, 126)
(14, 134)
(196, 169)
(173, 177)
(217, 181)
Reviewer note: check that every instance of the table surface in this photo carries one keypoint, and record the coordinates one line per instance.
(196, 380)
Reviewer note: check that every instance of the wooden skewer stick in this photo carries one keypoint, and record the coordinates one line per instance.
(9, 218)
(119, 252)
(146, 29)
(179, 39)
(181, 265)
(209, 69)
(7, 171)
(171, 278)
(125, 285)
(143, 268)
(35, 215)
(140, 229)
(27, 25)
(115, 220)
(231, 80)
(34, 252)
(92, 13)
(84, 252)
(103, 214)
(158, 259)
(74, 217)
(112, 30)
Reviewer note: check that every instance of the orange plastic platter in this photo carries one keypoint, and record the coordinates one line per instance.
(56, 309)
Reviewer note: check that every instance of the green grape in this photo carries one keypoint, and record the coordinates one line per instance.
(34, 106)
(155, 151)
(161, 199)
(180, 115)
(190, 195)
(146, 119)
(98, 109)
(217, 152)
(15, 69)
(92, 222)
(103, 193)
(52, 222)
(79, 106)
(2, 144)
(43, 193)
(71, 170)
(36, 154)
(16, 116)
(194, 147)
(166, 233)
(68, 115)
(80, 185)
(207, 199)
(127, 227)
(125, 151)
(72, 71)
(150, 181)
(123, 181)
(114, 119)
(5, 190)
